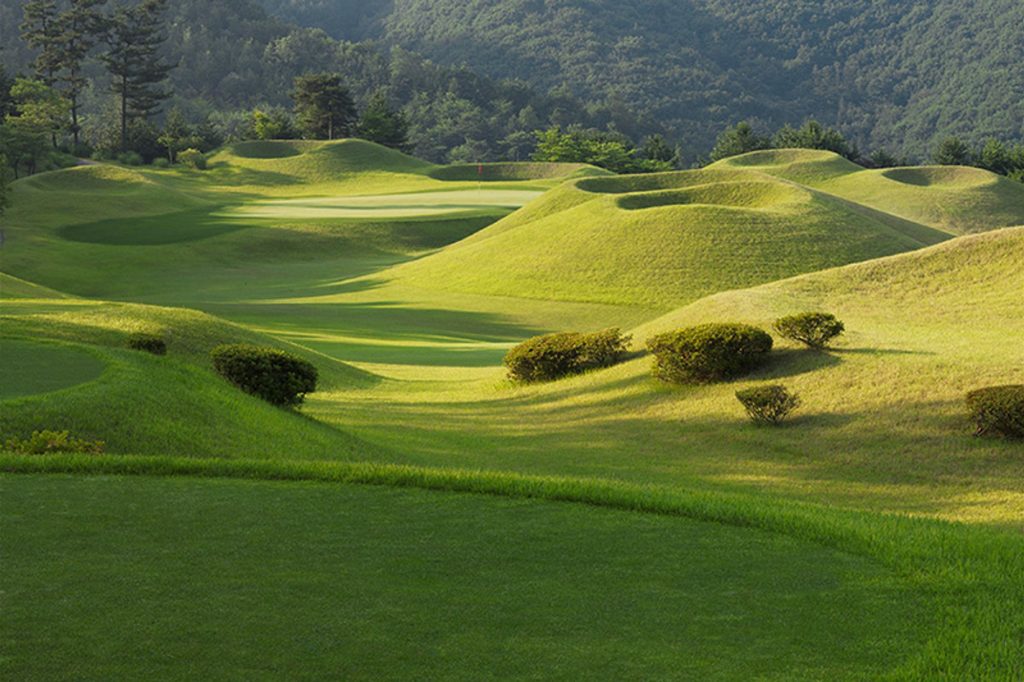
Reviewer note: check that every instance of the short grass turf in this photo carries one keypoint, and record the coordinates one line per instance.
(176, 578)
(29, 367)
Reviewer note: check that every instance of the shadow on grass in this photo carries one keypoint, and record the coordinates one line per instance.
(174, 228)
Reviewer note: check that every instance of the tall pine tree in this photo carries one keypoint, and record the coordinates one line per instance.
(324, 106)
(41, 32)
(79, 28)
(134, 37)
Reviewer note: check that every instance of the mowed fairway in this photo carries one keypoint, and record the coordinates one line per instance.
(629, 529)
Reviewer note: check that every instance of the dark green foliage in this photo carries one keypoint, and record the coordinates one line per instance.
(193, 158)
(768, 405)
(998, 411)
(45, 442)
(953, 152)
(550, 357)
(813, 135)
(273, 123)
(709, 353)
(148, 343)
(382, 123)
(324, 106)
(740, 139)
(41, 30)
(606, 150)
(813, 329)
(273, 375)
(133, 58)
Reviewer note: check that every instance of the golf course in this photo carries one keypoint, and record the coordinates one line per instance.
(421, 515)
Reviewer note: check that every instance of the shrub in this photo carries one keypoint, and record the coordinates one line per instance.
(813, 329)
(768, 405)
(708, 353)
(193, 158)
(44, 442)
(550, 357)
(161, 162)
(150, 343)
(273, 375)
(130, 159)
(998, 411)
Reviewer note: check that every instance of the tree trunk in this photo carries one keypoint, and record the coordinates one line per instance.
(124, 113)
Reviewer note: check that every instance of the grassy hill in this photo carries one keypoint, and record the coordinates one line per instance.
(954, 199)
(662, 240)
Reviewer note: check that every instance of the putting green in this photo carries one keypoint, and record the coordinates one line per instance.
(408, 205)
(29, 368)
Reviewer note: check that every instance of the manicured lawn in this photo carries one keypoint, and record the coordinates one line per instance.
(177, 578)
(28, 367)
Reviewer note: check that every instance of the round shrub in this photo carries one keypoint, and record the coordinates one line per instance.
(768, 405)
(193, 158)
(709, 353)
(149, 343)
(550, 357)
(815, 330)
(130, 159)
(998, 411)
(161, 162)
(273, 375)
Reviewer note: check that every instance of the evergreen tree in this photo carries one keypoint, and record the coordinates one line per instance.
(40, 113)
(79, 29)
(3, 179)
(813, 135)
(654, 148)
(133, 59)
(41, 31)
(324, 106)
(177, 135)
(996, 157)
(6, 103)
(739, 139)
(952, 152)
(383, 124)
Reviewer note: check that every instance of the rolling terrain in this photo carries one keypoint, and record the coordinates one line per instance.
(601, 526)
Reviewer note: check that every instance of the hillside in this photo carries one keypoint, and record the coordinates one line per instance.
(950, 198)
(891, 75)
(662, 240)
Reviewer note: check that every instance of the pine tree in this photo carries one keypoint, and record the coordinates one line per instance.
(133, 59)
(40, 31)
(79, 28)
(324, 106)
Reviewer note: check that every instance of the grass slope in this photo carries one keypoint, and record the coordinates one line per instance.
(955, 199)
(662, 240)
(66, 366)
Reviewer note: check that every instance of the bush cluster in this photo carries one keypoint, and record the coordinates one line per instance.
(998, 411)
(273, 375)
(550, 357)
(768, 405)
(193, 158)
(709, 353)
(812, 329)
(45, 442)
(149, 343)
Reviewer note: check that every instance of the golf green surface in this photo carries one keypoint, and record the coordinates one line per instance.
(408, 205)
(218, 579)
(29, 368)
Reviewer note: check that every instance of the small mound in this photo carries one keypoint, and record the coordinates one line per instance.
(12, 287)
(628, 184)
(940, 176)
(97, 177)
(33, 368)
(781, 157)
(267, 149)
(498, 172)
(750, 195)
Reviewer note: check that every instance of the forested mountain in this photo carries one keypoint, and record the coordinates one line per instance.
(900, 74)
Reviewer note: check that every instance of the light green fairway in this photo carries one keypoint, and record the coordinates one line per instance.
(29, 368)
(381, 206)
(174, 578)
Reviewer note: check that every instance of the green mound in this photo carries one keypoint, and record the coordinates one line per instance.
(954, 199)
(30, 368)
(496, 172)
(11, 287)
(91, 178)
(290, 577)
(269, 149)
(662, 240)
